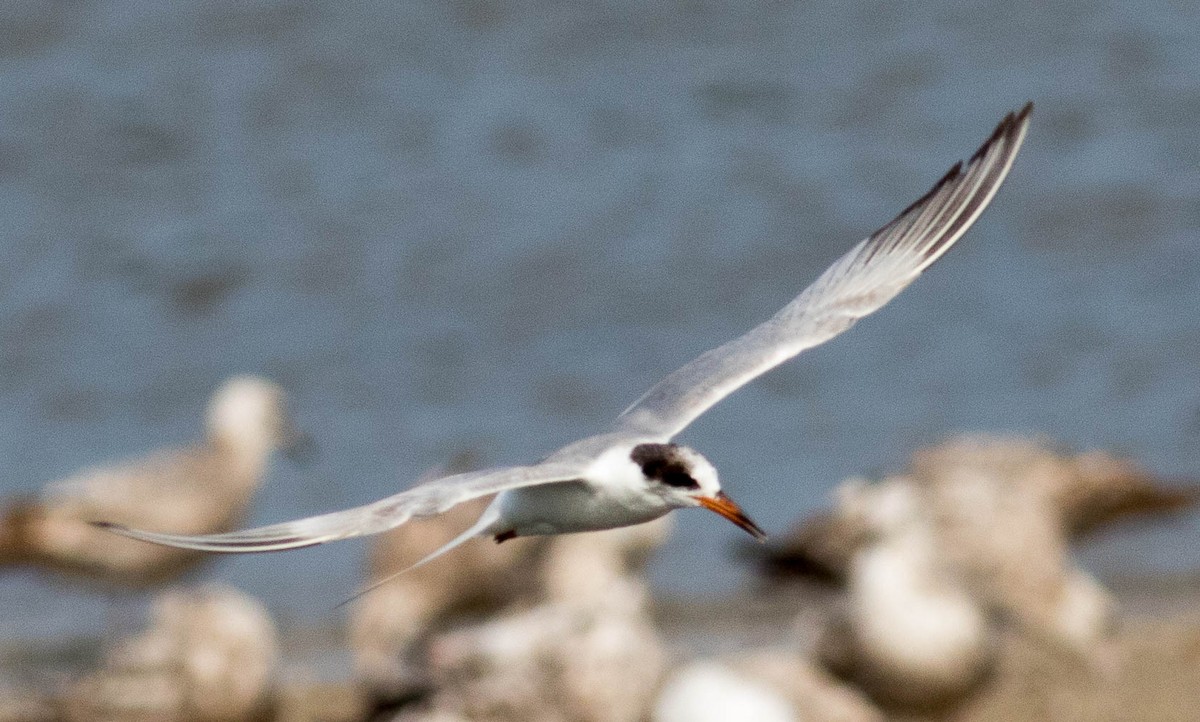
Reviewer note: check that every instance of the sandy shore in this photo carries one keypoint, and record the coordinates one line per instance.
(1157, 676)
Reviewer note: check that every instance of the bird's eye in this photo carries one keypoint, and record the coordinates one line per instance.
(678, 477)
(663, 463)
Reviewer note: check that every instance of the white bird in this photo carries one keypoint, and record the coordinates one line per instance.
(631, 473)
(912, 634)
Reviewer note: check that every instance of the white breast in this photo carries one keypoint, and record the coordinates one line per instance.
(575, 506)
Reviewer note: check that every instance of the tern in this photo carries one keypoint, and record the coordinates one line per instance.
(632, 473)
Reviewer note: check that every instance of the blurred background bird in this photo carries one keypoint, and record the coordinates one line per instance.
(203, 488)
(1078, 494)
(973, 542)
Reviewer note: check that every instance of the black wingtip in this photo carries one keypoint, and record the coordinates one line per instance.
(1005, 128)
(107, 525)
(1006, 137)
(950, 176)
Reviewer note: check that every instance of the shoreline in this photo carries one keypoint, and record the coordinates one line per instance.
(691, 627)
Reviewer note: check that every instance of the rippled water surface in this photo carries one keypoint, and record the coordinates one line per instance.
(488, 226)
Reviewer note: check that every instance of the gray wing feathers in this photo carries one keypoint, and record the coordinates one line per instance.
(421, 501)
(857, 284)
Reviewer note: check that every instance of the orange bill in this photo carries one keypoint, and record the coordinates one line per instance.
(728, 508)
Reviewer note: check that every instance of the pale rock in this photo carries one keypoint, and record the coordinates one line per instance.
(712, 692)
(600, 662)
(209, 655)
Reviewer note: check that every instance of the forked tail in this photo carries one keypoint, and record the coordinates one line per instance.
(489, 516)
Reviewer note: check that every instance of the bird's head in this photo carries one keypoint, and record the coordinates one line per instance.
(250, 413)
(684, 478)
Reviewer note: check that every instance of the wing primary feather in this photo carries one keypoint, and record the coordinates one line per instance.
(425, 500)
(238, 543)
(857, 284)
(950, 177)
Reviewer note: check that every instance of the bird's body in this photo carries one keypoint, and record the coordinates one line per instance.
(630, 473)
(573, 506)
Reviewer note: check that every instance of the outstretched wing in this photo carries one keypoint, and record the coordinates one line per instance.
(426, 500)
(859, 283)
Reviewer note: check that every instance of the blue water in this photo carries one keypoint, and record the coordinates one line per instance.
(489, 226)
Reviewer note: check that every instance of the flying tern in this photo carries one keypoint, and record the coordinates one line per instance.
(632, 473)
